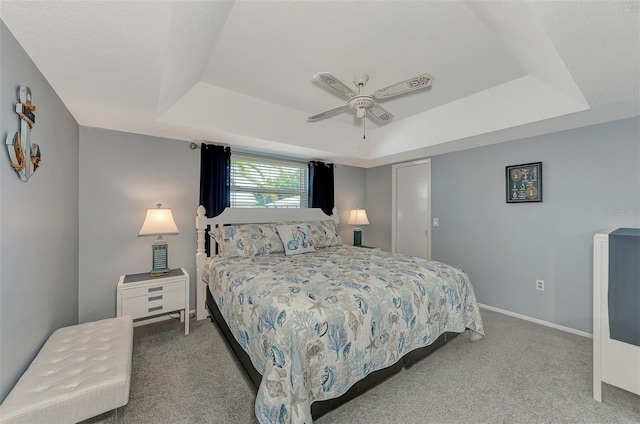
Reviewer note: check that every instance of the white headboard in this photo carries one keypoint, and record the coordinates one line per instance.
(232, 216)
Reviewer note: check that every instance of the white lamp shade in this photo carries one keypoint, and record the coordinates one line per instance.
(358, 217)
(158, 221)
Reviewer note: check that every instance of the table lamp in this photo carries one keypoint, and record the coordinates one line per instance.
(159, 221)
(358, 217)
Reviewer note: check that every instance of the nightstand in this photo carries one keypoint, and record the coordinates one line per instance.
(141, 296)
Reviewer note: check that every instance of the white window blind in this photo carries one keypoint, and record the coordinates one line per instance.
(258, 182)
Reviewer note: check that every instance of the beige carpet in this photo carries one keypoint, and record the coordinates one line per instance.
(519, 373)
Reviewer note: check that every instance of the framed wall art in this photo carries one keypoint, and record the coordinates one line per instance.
(524, 183)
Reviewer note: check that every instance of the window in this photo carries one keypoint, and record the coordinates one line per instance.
(258, 182)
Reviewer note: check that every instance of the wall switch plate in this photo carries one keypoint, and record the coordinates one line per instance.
(436, 222)
(540, 285)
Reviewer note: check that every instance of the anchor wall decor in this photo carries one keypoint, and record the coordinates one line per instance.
(24, 156)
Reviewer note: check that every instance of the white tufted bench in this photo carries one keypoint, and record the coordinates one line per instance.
(80, 372)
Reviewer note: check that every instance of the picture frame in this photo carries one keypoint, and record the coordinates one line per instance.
(524, 183)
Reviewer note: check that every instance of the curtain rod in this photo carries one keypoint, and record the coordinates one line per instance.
(194, 146)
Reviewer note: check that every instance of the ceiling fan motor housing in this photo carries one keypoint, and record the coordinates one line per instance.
(360, 104)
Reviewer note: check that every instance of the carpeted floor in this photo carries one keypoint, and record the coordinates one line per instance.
(519, 373)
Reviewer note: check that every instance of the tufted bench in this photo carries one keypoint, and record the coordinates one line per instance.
(80, 372)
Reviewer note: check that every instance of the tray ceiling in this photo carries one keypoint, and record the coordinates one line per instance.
(240, 72)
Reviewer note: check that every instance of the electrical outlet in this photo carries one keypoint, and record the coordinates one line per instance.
(540, 285)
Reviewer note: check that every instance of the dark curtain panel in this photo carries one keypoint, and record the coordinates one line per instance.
(321, 186)
(215, 178)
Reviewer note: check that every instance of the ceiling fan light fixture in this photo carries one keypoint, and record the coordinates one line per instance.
(361, 112)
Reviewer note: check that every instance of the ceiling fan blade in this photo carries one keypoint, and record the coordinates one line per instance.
(326, 114)
(380, 114)
(334, 84)
(412, 84)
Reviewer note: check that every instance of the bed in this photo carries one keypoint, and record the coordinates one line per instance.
(315, 329)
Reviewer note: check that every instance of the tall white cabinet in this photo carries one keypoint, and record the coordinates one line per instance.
(614, 362)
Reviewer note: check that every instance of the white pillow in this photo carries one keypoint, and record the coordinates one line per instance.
(295, 239)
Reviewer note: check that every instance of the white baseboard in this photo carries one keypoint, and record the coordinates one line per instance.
(482, 305)
(159, 318)
(537, 321)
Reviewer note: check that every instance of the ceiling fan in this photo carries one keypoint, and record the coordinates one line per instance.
(363, 103)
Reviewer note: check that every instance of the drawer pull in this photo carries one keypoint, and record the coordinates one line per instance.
(152, 298)
(155, 289)
(157, 308)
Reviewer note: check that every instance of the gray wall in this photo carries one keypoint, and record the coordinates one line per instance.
(591, 182)
(350, 192)
(123, 174)
(379, 196)
(38, 220)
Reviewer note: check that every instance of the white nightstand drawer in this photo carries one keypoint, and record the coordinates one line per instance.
(143, 296)
(151, 290)
(153, 303)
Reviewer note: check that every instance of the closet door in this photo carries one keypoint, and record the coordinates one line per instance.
(411, 209)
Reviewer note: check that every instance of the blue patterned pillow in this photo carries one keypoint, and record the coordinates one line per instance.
(320, 233)
(330, 232)
(295, 239)
(247, 240)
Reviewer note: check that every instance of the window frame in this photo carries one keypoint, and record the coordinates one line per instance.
(265, 162)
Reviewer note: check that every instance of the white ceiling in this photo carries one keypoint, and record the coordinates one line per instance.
(240, 72)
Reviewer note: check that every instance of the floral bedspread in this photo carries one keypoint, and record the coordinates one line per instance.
(315, 324)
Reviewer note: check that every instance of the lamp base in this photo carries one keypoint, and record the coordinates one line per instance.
(160, 258)
(357, 238)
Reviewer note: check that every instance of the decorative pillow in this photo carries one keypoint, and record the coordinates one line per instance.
(295, 238)
(330, 231)
(247, 240)
(320, 233)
